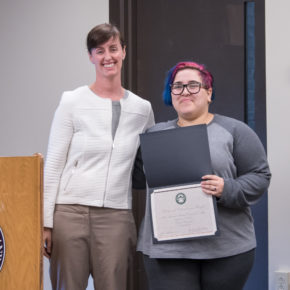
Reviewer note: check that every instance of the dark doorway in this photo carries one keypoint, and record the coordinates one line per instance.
(160, 33)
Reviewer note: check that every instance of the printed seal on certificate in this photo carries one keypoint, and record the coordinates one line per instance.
(180, 198)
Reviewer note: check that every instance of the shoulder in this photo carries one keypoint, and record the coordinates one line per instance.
(80, 97)
(232, 125)
(137, 104)
(227, 121)
(163, 126)
(241, 132)
(74, 95)
(133, 98)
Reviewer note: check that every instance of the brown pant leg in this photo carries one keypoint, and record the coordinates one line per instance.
(113, 241)
(69, 264)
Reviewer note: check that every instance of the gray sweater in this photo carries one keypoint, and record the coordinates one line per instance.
(238, 156)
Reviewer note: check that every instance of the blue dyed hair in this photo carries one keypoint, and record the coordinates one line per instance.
(206, 76)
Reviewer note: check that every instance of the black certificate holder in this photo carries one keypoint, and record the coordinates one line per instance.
(176, 157)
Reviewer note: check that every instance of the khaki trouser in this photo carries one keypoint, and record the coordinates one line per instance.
(91, 240)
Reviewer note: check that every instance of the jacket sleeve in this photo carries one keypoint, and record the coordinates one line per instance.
(138, 177)
(253, 173)
(151, 120)
(59, 141)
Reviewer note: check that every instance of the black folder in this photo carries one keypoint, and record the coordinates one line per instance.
(176, 156)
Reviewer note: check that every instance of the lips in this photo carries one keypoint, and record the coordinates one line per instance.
(184, 100)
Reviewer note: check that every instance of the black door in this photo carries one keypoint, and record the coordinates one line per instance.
(227, 36)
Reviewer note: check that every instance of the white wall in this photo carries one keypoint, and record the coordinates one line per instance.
(42, 53)
(278, 131)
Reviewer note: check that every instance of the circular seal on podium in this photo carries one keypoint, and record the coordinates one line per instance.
(2, 249)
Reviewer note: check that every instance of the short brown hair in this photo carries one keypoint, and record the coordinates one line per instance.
(101, 34)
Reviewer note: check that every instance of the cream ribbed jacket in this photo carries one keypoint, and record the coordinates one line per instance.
(84, 165)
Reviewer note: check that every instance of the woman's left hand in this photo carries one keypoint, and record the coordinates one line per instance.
(213, 185)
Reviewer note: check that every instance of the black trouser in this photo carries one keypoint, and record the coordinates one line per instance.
(229, 273)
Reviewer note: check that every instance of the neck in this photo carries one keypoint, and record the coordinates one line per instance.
(204, 119)
(108, 88)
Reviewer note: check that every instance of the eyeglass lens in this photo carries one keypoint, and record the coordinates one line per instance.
(192, 88)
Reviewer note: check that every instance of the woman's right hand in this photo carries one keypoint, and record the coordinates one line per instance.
(213, 185)
(47, 243)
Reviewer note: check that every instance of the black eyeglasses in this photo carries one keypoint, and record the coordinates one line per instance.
(192, 88)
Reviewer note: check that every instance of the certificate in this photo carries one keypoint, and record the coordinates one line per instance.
(182, 212)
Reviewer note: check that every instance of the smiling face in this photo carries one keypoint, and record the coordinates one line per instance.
(191, 106)
(108, 58)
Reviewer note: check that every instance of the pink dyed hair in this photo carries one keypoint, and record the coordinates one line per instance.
(206, 76)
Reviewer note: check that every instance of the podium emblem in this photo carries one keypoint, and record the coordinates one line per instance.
(2, 249)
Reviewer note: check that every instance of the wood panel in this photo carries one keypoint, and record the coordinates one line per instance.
(21, 222)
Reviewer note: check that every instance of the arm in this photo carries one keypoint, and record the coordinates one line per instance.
(138, 177)
(58, 147)
(253, 174)
(151, 120)
(47, 242)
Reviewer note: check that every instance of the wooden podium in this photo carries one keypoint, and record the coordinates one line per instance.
(21, 223)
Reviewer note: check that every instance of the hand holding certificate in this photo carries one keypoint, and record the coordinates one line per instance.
(179, 208)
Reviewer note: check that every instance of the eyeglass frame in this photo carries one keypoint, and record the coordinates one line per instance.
(200, 85)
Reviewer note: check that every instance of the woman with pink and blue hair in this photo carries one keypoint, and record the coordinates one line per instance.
(240, 176)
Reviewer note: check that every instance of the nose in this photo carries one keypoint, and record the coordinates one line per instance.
(107, 54)
(185, 91)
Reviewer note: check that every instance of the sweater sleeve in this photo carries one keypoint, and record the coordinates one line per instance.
(59, 141)
(138, 177)
(253, 173)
